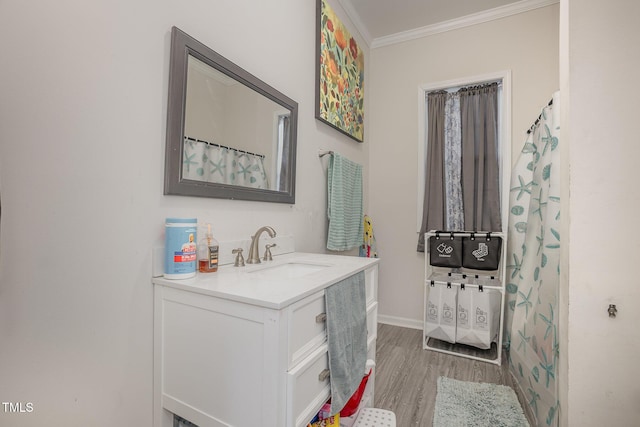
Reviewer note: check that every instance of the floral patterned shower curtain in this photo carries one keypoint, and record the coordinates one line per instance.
(533, 267)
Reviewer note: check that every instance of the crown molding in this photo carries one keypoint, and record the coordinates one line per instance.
(347, 6)
(454, 24)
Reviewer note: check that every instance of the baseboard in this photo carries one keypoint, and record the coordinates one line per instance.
(400, 321)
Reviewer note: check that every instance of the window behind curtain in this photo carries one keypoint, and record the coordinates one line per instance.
(462, 182)
(283, 147)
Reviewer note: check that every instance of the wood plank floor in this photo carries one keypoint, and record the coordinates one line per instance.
(406, 375)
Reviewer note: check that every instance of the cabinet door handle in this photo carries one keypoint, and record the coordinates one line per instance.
(324, 375)
(321, 318)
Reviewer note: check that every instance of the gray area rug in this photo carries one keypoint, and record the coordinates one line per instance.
(469, 404)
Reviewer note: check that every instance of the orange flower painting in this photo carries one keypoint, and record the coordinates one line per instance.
(340, 76)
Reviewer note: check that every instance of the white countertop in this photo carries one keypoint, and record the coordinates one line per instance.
(253, 284)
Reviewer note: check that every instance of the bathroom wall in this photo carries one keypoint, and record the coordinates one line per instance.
(526, 44)
(82, 131)
(599, 95)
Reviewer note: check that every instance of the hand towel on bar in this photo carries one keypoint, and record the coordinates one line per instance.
(346, 337)
(344, 206)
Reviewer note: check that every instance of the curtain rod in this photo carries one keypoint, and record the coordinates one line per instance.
(224, 146)
(539, 117)
(454, 89)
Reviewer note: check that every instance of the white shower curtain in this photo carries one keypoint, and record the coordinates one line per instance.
(222, 165)
(533, 267)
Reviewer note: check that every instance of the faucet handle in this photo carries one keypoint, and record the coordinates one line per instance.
(267, 252)
(239, 258)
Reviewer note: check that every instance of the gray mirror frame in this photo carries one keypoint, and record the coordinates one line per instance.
(183, 45)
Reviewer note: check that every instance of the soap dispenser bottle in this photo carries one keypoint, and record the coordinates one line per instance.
(208, 253)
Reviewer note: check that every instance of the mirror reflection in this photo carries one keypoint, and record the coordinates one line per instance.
(232, 134)
(229, 134)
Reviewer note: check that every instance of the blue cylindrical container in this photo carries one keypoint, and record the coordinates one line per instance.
(180, 248)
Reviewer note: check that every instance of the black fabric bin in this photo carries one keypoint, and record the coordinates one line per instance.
(445, 250)
(481, 252)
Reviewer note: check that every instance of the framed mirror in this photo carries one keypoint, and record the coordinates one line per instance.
(229, 134)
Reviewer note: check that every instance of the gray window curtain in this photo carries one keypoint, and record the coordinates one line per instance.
(480, 168)
(462, 186)
(433, 208)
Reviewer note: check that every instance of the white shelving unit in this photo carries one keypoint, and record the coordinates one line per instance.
(493, 279)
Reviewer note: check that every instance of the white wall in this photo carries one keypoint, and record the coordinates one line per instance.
(527, 44)
(82, 128)
(600, 60)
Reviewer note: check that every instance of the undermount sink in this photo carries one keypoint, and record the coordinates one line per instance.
(289, 270)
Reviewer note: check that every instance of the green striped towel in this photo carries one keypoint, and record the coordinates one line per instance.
(344, 206)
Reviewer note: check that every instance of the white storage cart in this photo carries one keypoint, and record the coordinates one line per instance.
(462, 279)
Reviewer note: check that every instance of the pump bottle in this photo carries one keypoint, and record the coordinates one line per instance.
(208, 253)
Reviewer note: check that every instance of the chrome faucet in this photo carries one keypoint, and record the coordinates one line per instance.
(254, 256)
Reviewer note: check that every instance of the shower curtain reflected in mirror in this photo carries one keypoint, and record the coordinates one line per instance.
(533, 267)
(222, 165)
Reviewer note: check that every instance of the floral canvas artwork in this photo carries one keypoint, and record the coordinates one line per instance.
(340, 75)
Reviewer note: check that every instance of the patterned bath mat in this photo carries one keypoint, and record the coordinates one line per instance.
(468, 404)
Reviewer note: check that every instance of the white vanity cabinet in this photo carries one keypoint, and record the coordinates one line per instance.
(232, 350)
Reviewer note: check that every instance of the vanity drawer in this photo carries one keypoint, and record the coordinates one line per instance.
(307, 328)
(372, 321)
(308, 387)
(370, 280)
(371, 348)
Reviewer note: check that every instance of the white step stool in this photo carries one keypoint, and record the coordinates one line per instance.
(373, 417)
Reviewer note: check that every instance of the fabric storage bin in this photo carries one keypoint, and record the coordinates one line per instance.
(441, 312)
(478, 317)
(481, 252)
(445, 250)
